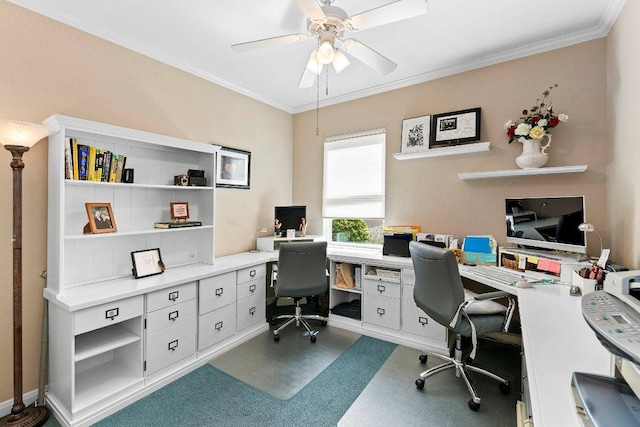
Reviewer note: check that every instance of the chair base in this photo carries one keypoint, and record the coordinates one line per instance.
(461, 371)
(299, 318)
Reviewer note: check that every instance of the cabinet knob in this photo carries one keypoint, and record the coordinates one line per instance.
(380, 311)
(112, 313)
(381, 288)
(218, 326)
(252, 311)
(423, 320)
(173, 295)
(173, 315)
(173, 345)
(252, 288)
(252, 273)
(219, 292)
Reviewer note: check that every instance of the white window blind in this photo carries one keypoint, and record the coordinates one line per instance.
(353, 185)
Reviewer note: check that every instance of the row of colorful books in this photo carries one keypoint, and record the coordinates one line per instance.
(87, 163)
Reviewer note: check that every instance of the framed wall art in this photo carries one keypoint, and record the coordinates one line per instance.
(415, 134)
(179, 210)
(233, 168)
(455, 128)
(147, 263)
(101, 219)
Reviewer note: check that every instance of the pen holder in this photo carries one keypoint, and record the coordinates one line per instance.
(585, 285)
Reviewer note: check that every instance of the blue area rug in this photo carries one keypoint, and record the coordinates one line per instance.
(210, 397)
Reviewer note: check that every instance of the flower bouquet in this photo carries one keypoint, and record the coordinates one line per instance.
(537, 121)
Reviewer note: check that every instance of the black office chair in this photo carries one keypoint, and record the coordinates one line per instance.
(439, 293)
(302, 272)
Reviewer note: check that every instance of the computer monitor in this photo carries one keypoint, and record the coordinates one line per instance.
(546, 222)
(290, 217)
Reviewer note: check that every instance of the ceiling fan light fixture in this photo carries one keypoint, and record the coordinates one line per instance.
(325, 52)
(314, 65)
(340, 61)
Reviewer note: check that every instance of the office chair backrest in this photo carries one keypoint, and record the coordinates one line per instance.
(302, 269)
(438, 287)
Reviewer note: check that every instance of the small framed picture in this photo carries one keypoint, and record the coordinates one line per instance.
(233, 168)
(455, 128)
(101, 219)
(147, 263)
(179, 210)
(415, 134)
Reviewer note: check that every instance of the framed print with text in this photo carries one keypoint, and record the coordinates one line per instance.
(455, 128)
(147, 263)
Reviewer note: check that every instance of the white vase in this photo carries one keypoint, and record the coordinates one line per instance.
(533, 155)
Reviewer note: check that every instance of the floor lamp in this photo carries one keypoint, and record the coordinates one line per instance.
(18, 137)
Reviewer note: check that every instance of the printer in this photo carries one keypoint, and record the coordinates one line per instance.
(614, 315)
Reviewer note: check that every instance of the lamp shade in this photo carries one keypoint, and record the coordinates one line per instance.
(340, 61)
(585, 226)
(314, 65)
(21, 133)
(325, 52)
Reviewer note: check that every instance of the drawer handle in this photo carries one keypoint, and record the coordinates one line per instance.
(173, 345)
(381, 288)
(173, 296)
(218, 326)
(380, 311)
(173, 315)
(112, 313)
(252, 288)
(219, 292)
(423, 320)
(252, 273)
(252, 311)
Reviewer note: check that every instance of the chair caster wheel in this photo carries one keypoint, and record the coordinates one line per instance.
(276, 338)
(474, 406)
(505, 388)
(312, 338)
(323, 323)
(420, 383)
(423, 358)
(272, 322)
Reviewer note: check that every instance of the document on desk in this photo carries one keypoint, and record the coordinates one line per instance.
(480, 244)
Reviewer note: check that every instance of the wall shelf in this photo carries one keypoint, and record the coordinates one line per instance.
(522, 172)
(447, 151)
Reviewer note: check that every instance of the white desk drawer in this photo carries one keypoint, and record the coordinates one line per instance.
(170, 316)
(107, 314)
(216, 325)
(416, 322)
(251, 273)
(216, 292)
(382, 311)
(170, 345)
(170, 296)
(251, 310)
(382, 288)
(251, 287)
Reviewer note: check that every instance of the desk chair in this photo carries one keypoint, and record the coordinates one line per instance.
(302, 272)
(440, 294)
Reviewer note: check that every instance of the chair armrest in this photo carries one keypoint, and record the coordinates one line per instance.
(492, 295)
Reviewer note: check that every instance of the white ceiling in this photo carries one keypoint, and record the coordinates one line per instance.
(453, 36)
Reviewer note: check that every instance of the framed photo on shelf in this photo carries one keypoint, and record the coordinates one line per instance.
(415, 134)
(101, 219)
(179, 210)
(147, 263)
(233, 168)
(455, 128)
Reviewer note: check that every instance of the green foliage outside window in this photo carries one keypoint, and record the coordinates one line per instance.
(350, 230)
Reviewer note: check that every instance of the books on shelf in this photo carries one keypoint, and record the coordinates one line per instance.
(87, 163)
(178, 224)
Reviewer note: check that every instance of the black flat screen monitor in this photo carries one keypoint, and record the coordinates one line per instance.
(546, 222)
(290, 217)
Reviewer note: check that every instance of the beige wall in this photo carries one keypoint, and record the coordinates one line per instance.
(623, 180)
(428, 191)
(49, 68)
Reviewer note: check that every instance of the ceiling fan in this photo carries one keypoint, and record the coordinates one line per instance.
(328, 24)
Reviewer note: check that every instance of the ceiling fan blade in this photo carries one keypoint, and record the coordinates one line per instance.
(311, 70)
(392, 12)
(273, 41)
(369, 56)
(312, 9)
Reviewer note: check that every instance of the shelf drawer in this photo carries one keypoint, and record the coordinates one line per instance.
(170, 316)
(382, 311)
(382, 288)
(107, 314)
(216, 326)
(416, 322)
(251, 310)
(170, 296)
(251, 273)
(216, 292)
(170, 345)
(251, 287)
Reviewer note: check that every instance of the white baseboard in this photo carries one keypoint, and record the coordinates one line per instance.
(27, 399)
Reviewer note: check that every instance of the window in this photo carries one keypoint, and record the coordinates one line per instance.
(353, 187)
